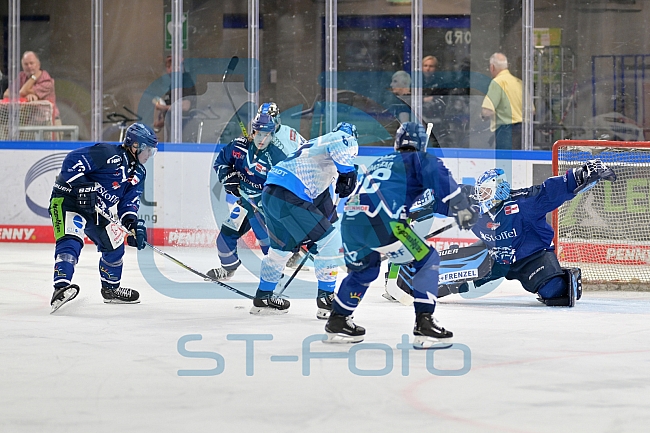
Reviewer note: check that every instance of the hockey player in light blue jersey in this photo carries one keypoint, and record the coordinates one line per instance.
(376, 222)
(299, 210)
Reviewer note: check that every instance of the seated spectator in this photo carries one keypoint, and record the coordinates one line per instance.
(397, 101)
(36, 84)
(163, 104)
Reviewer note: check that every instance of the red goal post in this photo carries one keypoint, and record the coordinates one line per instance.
(606, 230)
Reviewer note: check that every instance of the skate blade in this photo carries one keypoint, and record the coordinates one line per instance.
(266, 311)
(68, 296)
(388, 297)
(119, 301)
(323, 314)
(421, 342)
(342, 338)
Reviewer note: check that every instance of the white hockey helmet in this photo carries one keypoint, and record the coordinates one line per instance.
(491, 189)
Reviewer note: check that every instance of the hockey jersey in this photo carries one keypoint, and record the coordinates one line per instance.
(290, 139)
(311, 169)
(252, 164)
(118, 176)
(518, 227)
(393, 183)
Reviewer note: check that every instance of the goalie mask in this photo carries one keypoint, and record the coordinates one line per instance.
(491, 189)
(271, 108)
(141, 140)
(263, 130)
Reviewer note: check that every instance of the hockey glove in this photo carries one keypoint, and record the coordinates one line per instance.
(465, 214)
(132, 223)
(86, 196)
(590, 174)
(231, 183)
(346, 183)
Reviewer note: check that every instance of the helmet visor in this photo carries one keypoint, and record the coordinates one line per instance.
(145, 152)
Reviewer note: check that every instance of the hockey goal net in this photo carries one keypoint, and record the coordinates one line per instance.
(37, 113)
(606, 230)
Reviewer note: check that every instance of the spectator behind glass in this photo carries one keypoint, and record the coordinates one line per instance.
(397, 100)
(163, 104)
(36, 84)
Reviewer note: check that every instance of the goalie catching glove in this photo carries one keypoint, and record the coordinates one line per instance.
(133, 224)
(466, 215)
(231, 183)
(590, 174)
(346, 183)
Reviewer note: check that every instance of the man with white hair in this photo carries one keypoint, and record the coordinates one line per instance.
(503, 104)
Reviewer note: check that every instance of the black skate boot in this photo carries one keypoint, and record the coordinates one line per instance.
(429, 334)
(324, 304)
(121, 295)
(266, 303)
(63, 295)
(220, 274)
(341, 329)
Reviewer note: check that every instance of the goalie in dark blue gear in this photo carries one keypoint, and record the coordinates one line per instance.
(104, 175)
(375, 223)
(514, 229)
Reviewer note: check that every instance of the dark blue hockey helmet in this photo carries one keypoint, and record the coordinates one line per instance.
(142, 139)
(348, 128)
(263, 130)
(411, 135)
(491, 189)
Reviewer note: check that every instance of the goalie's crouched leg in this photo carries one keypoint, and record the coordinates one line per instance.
(570, 284)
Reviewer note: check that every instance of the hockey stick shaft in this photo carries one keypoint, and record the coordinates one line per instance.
(306, 257)
(429, 131)
(231, 67)
(437, 232)
(115, 221)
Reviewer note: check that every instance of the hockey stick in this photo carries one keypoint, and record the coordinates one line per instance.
(231, 67)
(429, 131)
(306, 257)
(113, 219)
(440, 230)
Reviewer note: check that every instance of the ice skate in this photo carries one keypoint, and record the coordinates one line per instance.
(266, 303)
(429, 334)
(324, 304)
(341, 329)
(220, 274)
(63, 295)
(121, 295)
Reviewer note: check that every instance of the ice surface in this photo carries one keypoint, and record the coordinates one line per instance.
(520, 366)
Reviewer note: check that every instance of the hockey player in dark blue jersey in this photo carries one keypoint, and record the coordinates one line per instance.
(111, 177)
(376, 222)
(513, 227)
(242, 167)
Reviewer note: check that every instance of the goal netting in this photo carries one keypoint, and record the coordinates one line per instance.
(37, 113)
(606, 230)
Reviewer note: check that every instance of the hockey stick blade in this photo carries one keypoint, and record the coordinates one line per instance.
(115, 221)
(437, 232)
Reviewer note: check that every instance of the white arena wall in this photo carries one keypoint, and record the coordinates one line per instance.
(183, 202)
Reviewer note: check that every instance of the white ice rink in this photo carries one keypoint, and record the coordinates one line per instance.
(518, 366)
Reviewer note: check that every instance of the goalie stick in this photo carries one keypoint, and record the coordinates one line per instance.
(231, 67)
(113, 219)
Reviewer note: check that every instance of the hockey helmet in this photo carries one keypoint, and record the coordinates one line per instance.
(491, 189)
(410, 135)
(263, 130)
(271, 108)
(142, 139)
(348, 128)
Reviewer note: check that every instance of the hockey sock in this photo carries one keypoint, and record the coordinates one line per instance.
(110, 268)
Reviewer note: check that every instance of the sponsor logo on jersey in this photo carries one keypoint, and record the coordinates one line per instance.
(105, 195)
(356, 208)
(237, 154)
(260, 168)
(117, 159)
(115, 185)
(134, 179)
(292, 135)
(513, 208)
(488, 237)
(493, 225)
(458, 275)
